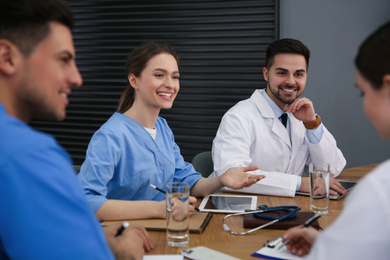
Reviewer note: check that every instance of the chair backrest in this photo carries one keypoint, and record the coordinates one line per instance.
(77, 168)
(203, 163)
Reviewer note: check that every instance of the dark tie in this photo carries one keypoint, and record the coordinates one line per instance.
(283, 117)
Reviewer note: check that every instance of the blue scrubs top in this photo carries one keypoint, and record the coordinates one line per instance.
(44, 214)
(123, 159)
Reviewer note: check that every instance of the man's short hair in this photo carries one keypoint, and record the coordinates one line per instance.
(25, 23)
(288, 46)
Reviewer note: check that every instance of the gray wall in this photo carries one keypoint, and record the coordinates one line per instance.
(333, 30)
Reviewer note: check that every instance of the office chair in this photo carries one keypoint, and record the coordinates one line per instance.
(203, 163)
(77, 168)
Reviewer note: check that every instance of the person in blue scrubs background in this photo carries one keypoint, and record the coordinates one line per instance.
(136, 147)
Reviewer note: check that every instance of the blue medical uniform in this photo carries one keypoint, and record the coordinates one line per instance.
(123, 159)
(44, 214)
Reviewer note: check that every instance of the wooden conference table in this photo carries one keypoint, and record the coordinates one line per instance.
(243, 246)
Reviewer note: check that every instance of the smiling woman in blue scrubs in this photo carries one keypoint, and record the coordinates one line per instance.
(136, 147)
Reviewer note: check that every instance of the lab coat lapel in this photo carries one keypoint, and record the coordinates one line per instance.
(269, 115)
(297, 136)
(281, 131)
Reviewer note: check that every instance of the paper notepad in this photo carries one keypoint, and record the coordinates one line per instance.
(163, 257)
(198, 222)
(270, 251)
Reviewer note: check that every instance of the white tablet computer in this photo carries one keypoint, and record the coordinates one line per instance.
(228, 203)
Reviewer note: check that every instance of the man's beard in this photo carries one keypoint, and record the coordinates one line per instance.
(281, 98)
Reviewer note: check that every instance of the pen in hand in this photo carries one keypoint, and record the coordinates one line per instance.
(307, 223)
(122, 228)
(162, 191)
(157, 188)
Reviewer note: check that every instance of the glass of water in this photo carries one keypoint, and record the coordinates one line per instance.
(319, 187)
(177, 199)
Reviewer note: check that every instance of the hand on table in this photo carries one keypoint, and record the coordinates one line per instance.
(131, 244)
(301, 239)
(335, 187)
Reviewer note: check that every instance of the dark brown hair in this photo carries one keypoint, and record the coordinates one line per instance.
(286, 45)
(136, 63)
(373, 58)
(25, 23)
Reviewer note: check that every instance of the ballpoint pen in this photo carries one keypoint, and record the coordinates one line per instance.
(307, 223)
(157, 188)
(122, 228)
(160, 190)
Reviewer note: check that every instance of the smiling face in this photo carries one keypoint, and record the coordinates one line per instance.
(286, 78)
(47, 77)
(376, 104)
(158, 83)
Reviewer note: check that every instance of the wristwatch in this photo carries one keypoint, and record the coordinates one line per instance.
(313, 124)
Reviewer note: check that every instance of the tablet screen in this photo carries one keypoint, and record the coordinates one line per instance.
(228, 203)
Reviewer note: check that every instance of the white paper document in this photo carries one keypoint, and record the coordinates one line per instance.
(271, 251)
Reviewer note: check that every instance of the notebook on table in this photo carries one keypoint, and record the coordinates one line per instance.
(348, 185)
(251, 221)
(198, 222)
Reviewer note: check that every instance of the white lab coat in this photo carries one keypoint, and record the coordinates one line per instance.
(363, 227)
(251, 134)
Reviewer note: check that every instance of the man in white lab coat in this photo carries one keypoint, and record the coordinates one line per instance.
(252, 132)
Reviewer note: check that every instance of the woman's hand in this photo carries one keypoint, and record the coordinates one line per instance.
(238, 178)
(301, 239)
(192, 201)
